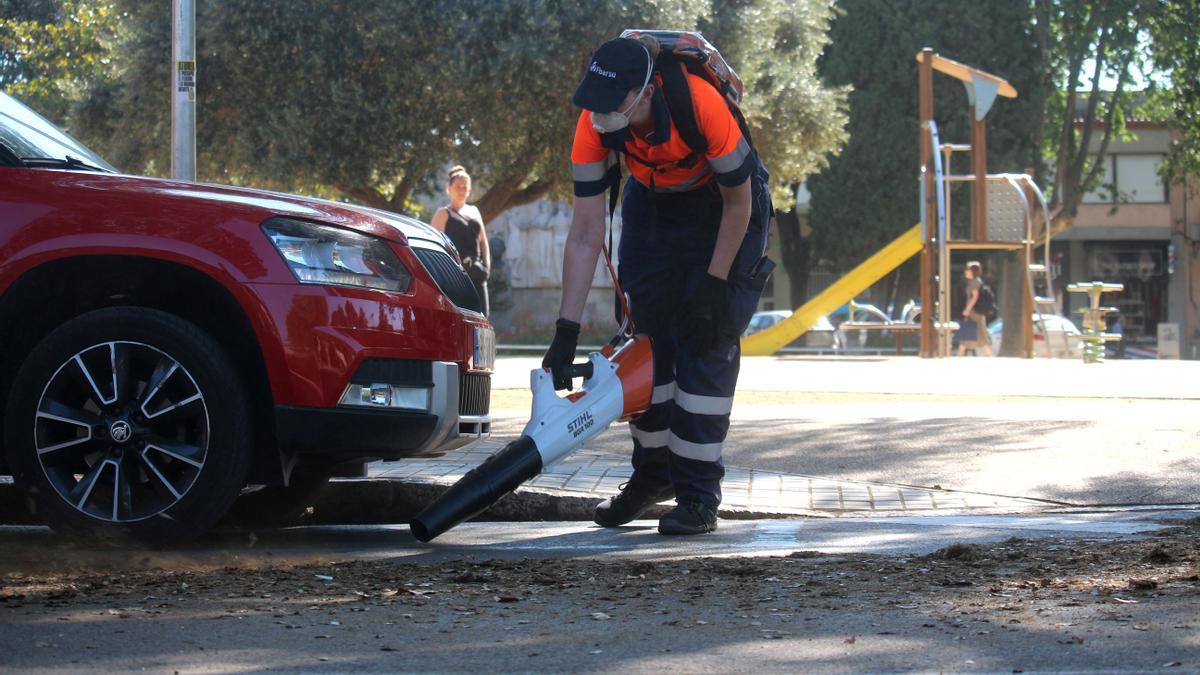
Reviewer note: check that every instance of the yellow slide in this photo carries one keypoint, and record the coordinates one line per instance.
(886, 259)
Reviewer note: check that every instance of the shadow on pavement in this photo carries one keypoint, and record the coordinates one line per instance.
(1069, 461)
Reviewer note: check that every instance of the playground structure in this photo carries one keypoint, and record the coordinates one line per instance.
(1095, 336)
(843, 290)
(1004, 210)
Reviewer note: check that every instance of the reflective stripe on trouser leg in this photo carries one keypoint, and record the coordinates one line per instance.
(664, 253)
(705, 383)
(700, 421)
(654, 283)
(705, 417)
(651, 431)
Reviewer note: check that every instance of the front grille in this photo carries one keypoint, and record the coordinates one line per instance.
(474, 394)
(402, 372)
(450, 277)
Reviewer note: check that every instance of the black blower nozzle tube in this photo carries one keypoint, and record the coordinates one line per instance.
(516, 463)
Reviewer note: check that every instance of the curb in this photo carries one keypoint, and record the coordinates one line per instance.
(379, 501)
(13, 509)
(382, 501)
(390, 501)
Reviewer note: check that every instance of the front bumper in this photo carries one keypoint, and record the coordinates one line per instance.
(458, 414)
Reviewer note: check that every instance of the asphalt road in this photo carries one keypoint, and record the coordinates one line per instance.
(36, 548)
(1059, 596)
(1118, 433)
(1084, 589)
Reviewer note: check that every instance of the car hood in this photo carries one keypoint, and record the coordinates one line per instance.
(260, 205)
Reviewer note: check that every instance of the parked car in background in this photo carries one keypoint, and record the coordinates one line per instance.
(863, 311)
(167, 344)
(821, 336)
(1060, 334)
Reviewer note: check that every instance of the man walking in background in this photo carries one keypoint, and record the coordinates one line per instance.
(979, 303)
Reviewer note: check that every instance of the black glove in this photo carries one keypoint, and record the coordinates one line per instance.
(562, 352)
(705, 322)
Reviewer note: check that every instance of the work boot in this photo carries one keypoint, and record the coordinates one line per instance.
(635, 498)
(689, 516)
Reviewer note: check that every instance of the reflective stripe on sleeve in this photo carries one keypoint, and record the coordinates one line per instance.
(732, 160)
(585, 173)
(703, 452)
(650, 439)
(703, 405)
(593, 171)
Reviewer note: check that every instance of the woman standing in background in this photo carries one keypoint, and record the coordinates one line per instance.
(463, 224)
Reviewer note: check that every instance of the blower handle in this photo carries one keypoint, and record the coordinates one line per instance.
(583, 370)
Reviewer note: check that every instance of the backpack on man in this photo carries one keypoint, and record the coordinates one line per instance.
(985, 304)
(680, 53)
(683, 52)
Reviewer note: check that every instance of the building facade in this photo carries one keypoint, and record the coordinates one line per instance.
(1135, 230)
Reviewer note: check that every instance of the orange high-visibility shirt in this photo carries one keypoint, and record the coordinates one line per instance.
(729, 158)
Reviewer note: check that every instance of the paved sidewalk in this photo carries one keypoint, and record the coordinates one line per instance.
(1054, 378)
(746, 491)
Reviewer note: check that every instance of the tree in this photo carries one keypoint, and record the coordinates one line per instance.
(365, 100)
(518, 63)
(1175, 50)
(869, 194)
(798, 122)
(1094, 51)
(50, 49)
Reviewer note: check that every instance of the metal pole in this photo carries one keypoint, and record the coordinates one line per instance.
(928, 249)
(1028, 256)
(979, 224)
(183, 90)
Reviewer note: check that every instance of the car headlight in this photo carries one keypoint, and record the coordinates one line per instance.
(321, 254)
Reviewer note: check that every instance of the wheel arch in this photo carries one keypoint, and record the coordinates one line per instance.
(53, 292)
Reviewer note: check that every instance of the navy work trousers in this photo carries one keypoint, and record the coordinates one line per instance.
(664, 253)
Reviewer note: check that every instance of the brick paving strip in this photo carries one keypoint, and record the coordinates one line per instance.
(394, 492)
(747, 492)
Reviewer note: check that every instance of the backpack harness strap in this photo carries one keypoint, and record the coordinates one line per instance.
(678, 95)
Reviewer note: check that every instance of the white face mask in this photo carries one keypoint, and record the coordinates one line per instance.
(607, 123)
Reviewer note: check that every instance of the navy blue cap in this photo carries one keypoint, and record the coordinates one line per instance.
(616, 67)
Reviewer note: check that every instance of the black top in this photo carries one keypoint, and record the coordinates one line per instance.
(464, 234)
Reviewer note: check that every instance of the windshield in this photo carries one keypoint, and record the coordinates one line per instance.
(28, 134)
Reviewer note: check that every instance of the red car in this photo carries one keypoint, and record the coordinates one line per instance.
(166, 344)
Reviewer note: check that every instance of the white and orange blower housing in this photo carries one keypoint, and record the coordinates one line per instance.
(617, 387)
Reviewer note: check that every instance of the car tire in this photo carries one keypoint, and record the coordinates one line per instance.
(129, 425)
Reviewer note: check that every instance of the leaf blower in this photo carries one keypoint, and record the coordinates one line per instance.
(617, 387)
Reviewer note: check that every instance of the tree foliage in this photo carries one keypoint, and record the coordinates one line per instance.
(1175, 50)
(515, 65)
(1111, 60)
(50, 50)
(1094, 51)
(798, 122)
(367, 99)
(869, 194)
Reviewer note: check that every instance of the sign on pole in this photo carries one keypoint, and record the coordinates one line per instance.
(183, 90)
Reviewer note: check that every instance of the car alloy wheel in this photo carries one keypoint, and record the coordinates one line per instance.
(121, 431)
